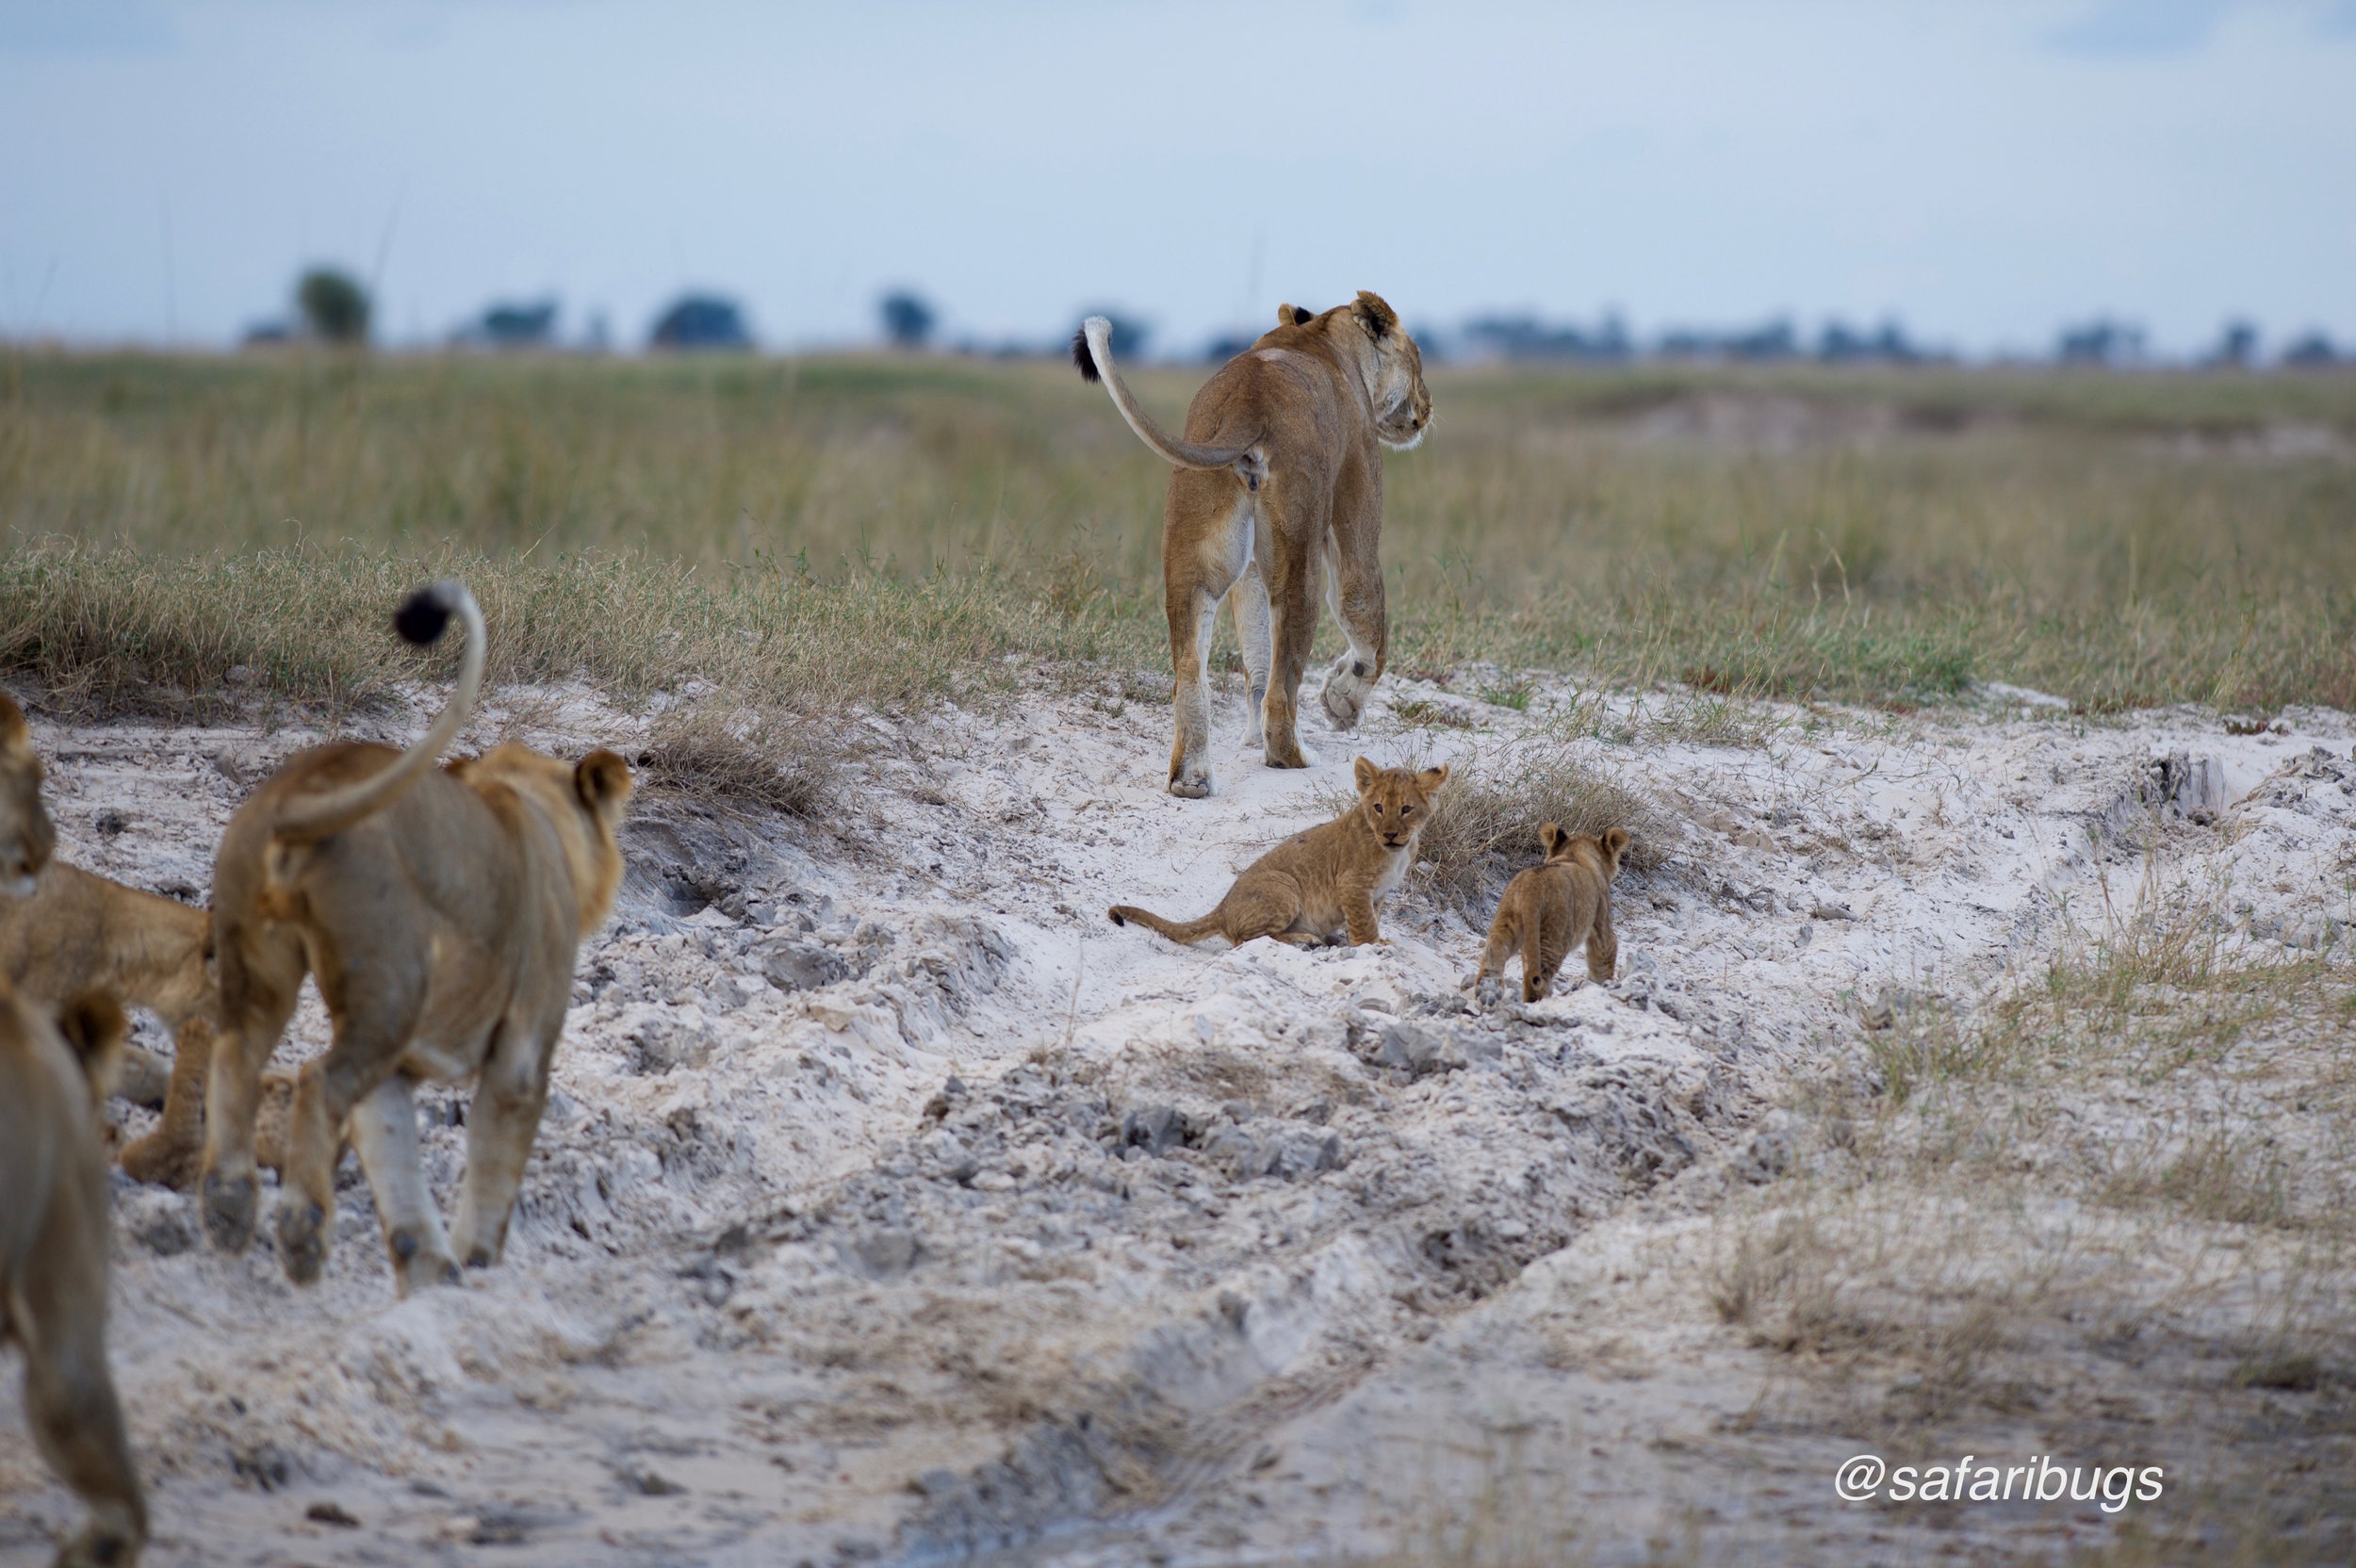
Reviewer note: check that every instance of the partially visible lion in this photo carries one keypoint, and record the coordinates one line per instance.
(440, 912)
(1551, 907)
(1324, 882)
(52, 1259)
(71, 931)
(27, 837)
(1279, 489)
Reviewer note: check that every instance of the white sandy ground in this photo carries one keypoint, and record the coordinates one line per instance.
(895, 1206)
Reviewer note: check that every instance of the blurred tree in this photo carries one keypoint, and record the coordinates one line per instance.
(701, 321)
(907, 320)
(334, 306)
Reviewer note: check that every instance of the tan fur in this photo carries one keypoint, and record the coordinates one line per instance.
(442, 928)
(52, 1259)
(1550, 909)
(1324, 882)
(1278, 494)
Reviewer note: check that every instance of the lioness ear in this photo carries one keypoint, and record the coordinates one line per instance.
(1432, 778)
(602, 780)
(1293, 316)
(1365, 772)
(1373, 314)
(15, 736)
(93, 1023)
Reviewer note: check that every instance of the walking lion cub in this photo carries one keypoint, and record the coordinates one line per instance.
(1550, 909)
(1326, 880)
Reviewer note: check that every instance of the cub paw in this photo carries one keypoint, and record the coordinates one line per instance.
(228, 1204)
(1486, 991)
(302, 1239)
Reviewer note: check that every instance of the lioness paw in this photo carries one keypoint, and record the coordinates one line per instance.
(302, 1239)
(229, 1212)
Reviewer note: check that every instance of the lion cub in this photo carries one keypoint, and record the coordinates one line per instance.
(52, 1258)
(1325, 880)
(1550, 909)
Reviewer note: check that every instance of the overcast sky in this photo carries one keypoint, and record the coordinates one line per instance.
(1987, 172)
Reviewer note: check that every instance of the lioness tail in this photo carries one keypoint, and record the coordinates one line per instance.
(1188, 932)
(1092, 351)
(419, 620)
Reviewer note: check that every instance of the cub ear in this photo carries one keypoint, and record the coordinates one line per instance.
(1615, 841)
(1364, 772)
(602, 780)
(15, 736)
(93, 1023)
(1432, 778)
(1374, 315)
(1293, 316)
(1551, 836)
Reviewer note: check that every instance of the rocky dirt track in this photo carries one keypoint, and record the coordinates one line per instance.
(893, 1206)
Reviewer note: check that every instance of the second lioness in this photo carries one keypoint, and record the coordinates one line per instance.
(1278, 491)
(440, 911)
(1325, 881)
(1550, 909)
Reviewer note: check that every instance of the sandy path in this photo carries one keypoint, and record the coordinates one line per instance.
(895, 1206)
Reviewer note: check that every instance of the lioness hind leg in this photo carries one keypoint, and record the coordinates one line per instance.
(374, 1018)
(384, 1131)
(260, 978)
(1292, 601)
(1190, 624)
(1248, 599)
(510, 1094)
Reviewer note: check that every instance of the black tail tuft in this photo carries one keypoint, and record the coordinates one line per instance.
(422, 615)
(1082, 358)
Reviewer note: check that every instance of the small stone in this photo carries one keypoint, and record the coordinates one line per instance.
(331, 1512)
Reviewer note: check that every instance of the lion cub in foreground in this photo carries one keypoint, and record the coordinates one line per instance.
(1323, 881)
(1550, 909)
(52, 1258)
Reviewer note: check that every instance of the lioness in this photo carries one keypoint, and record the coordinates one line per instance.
(1280, 479)
(1550, 909)
(52, 1259)
(440, 912)
(1322, 881)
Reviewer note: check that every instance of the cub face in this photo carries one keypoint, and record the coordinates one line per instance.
(1396, 802)
(26, 838)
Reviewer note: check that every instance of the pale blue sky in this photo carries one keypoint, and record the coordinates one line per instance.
(1987, 170)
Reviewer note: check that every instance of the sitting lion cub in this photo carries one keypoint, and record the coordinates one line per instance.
(1550, 909)
(52, 1259)
(1325, 880)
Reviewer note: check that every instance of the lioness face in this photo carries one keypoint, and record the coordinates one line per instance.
(1396, 802)
(26, 838)
(1403, 404)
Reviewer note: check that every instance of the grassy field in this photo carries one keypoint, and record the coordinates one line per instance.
(805, 533)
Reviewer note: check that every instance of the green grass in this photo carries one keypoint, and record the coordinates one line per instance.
(882, 530)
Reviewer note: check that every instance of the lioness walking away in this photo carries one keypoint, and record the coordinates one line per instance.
(1278, 488)
(52, 1259)
(1550, 909)
(440, 912)
(1325, 880)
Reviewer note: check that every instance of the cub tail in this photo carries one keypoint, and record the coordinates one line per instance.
(1188, 932)
(419, 620)
(1092, 351)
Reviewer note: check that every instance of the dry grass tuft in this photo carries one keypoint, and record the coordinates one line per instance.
(1484, 826)
(721, 752)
